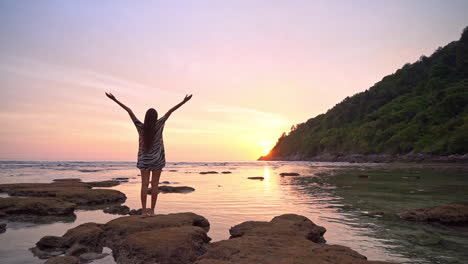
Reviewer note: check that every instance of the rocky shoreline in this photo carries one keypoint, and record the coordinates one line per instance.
(371, 158)
(181, 238)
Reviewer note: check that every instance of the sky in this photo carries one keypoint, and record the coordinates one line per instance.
(255, 68)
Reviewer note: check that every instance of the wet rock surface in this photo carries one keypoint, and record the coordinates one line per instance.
(452, 214)
(175, 245)
(208, 172)
(289, 174)
(172, 238)
(136, 212)
(39, 206)
(173, 189)
(79, 193)
(104, 184)
(256, 178)
(281, 225)
(68, 180)
(117, 209)
(181, 238)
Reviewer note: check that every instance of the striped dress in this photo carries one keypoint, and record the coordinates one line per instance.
(154, 159)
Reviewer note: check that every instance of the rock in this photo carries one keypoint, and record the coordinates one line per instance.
(45, 254)
(182, 238)
(117, 209)
(109, 183)
(68, 180)
(226, 172)
(173, 189)
(278, 250)
(77, 249)
(63, 260)
(120, 178)
(286, 224)
(90, 235)
(363, 176)
(136, 212)
(51, 243)
(209, 172)
(2, 227)
(289, 174)
(172, 245)
(285, 239)
(40, 206)
(165, 182)
(75, 192)
(452, 214)
(256, 178)
(90, 256)
(173, 170)
(131, 224)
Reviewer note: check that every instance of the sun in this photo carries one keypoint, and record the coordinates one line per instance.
(265, 146)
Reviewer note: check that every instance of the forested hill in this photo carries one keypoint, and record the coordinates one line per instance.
(421, 108)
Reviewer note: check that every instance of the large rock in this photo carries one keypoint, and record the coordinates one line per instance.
(173, 189)
(172, 245)
(90, 235)
(452, 214)
(134, 239)
(278, 249)
(285, 239)
(50, 243)
(124, 226)
(75, 192)
(39, 206)
(182, 239)
(287, 224)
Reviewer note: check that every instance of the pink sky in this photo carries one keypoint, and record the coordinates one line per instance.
(254, 68)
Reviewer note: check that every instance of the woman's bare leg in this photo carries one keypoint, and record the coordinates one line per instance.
(145, 175)
(154, 189)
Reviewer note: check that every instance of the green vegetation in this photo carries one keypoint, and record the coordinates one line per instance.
(421, 108)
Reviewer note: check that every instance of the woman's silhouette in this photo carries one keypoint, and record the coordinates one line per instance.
(151, 157)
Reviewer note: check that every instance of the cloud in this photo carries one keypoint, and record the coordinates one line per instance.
(76, 76)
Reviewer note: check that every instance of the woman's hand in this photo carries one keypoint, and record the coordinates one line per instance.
(187, 97)
(111, 96)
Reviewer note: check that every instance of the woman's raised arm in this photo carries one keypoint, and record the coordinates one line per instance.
(129, 111)
(186, 99)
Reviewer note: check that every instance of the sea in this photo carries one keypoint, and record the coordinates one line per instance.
(328, 193)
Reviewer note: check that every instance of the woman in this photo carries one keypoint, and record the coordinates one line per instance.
(151, 157)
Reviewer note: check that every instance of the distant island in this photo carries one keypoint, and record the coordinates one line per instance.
(419, 113)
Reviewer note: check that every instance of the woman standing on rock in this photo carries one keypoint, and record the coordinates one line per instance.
(151, 157)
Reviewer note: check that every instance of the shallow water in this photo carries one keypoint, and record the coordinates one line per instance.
(335, 200)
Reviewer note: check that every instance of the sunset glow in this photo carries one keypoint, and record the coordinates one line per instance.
(254, 69)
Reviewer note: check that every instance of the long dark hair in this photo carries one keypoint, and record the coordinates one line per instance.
(149, 128)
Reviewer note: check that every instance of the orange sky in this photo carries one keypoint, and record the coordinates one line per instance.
(254, 70)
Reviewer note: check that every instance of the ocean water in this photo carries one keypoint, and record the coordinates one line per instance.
(327, 193)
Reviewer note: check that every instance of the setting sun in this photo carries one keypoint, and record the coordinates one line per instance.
(266, 147)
